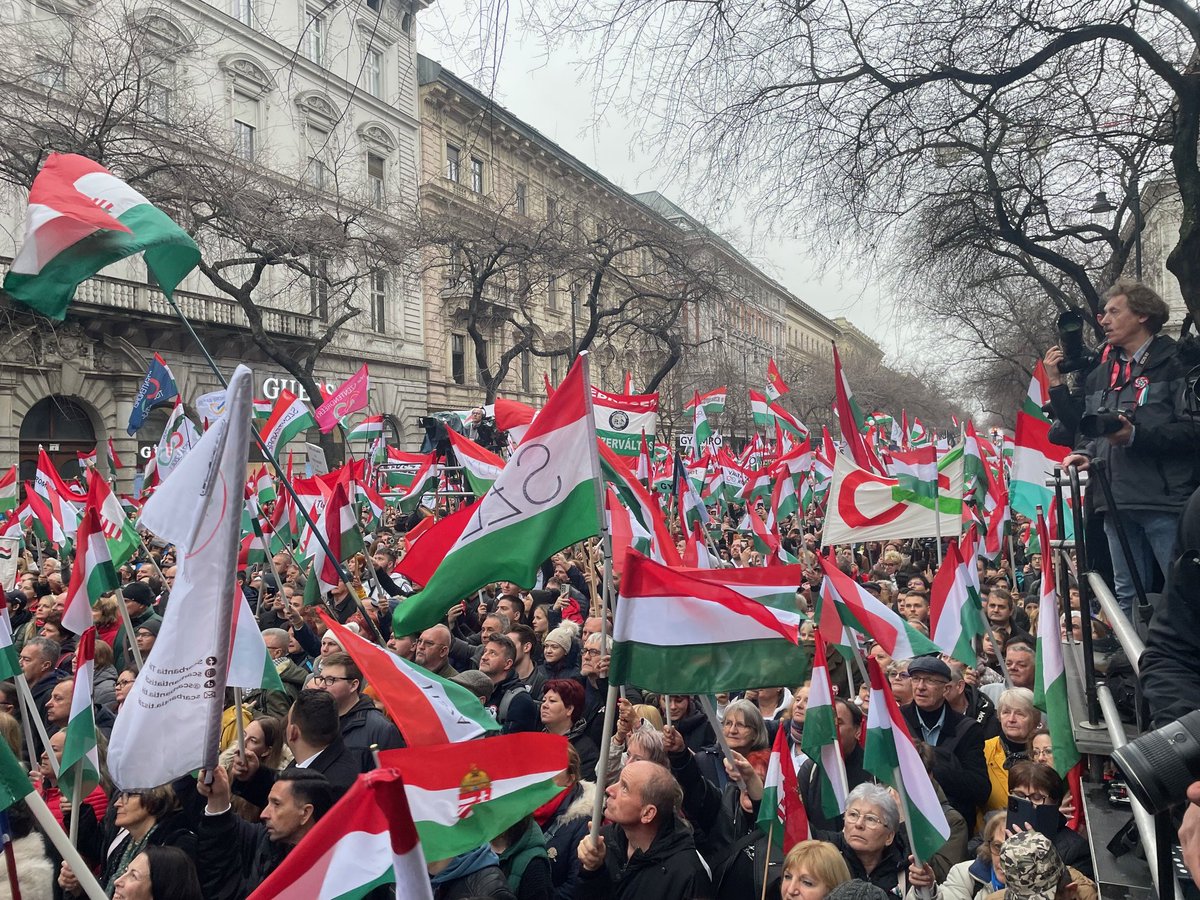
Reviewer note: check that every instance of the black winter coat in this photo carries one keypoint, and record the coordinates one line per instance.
(669, 869)
(959, 765)
(364, 725)
(233, 856)
(568, 826)
(487, 882)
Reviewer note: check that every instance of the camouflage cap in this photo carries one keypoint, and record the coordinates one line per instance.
(1032, 867)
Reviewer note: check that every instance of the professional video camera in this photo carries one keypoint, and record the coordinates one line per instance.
(1076, 357)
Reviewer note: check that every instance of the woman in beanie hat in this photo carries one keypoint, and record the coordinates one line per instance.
(561, 654)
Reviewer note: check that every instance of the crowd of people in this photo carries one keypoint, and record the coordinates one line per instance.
(680, 819)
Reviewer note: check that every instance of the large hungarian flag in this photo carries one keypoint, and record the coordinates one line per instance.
(82, 218)
(547, 497)
(366, 841)
(820, 738)
(367, 430)
(678, 634)
(122, 537)
(482, 466)
(428, 710)
(701, 430)
(1049, 675)
(889, 755)
(465, 794)
(289, 417)
(621, 419)
(92, 575)
(781, 814)
(339, 524)
(57, 497)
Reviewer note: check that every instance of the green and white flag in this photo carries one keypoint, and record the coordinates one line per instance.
(122, 537)
(80, 219)
(92, 574)
(1050, 676)
(482, 466)
(547, 497)
(8, 491)
(10, 666)
(701, 430)
(955, 619)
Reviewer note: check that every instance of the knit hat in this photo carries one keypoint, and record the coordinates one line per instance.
(929, 665)
(560, 636)
(138, 592)
(1032, 867)
(475, 682)
(857, 889)
(151, 625)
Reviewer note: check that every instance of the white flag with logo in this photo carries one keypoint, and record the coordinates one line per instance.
(171, 722)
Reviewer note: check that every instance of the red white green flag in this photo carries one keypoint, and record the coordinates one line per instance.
(954, 604)
(114, 461)
(889, 755)
(8, 491)
(1034, 454)
(81, 218)
(547, 497)
(367, 430)
(339, 524)
(775, 385)
(428, 710)
(122, 537)
(79, 747)
(92, 574)
(781, 814)
(820, 738)
(1049, 674)
(482, 466)
(678, 634)
(713, 402)
(465, 794)
(289, 417)
(874, 619)
(57, 497)
(366, 841)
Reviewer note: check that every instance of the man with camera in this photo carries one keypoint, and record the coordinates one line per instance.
(1133, 421)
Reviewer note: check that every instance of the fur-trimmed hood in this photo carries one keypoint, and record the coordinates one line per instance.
(581, 806)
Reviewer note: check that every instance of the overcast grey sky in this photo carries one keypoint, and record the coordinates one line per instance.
(544, 88)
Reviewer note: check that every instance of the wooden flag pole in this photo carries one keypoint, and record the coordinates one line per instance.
(77, 802)
(32, 715)
(767, 855)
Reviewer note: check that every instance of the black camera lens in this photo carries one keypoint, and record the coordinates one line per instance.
(1100, 423)
(1160, 765)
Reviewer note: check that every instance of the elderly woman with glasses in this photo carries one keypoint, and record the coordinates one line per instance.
(1018, 721)
(970, 880)
(1042, 786)
(870, 841)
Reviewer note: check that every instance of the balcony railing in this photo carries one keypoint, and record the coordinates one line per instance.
(137, 297)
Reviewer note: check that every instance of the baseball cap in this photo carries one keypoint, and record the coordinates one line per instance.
(1032, 867)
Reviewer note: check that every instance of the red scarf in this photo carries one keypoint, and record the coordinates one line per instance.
(544, 813)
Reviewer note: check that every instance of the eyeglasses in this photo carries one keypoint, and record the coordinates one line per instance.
(124, 682)
(591, 651)
(869, 820)
(1037, 798)
(328, 680)
(928, 679)
(900, 675)
(1043, 753)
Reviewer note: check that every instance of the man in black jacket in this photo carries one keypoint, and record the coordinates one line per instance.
(647, 851)
(361, 723)
(234, 856)
(510, 702)
(1151, 457)
(959, 766)
(313, 734)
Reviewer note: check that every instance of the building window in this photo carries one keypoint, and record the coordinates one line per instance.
(552, 292)
(554, 371)
(315, 43)
(375, 5)
(245, 127)
(318, 287)
(551, 209)
(379, 302)
(51, 75)
(243, 11)
(458, 359)
(522, 191)
(453, 162)
(375, 179)
(373, 72)
(158, 101)
(526, 372)
(317, 172)
(477, 175)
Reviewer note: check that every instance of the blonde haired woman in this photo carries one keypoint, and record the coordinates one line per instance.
(811, 870)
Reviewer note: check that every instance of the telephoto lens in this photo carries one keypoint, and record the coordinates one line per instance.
(1160, 765)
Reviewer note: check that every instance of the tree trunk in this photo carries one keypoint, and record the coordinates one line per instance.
(1184, 259)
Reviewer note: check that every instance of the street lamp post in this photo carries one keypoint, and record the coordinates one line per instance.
(1102, 205)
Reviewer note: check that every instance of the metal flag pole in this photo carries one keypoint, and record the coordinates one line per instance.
(343, 572)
